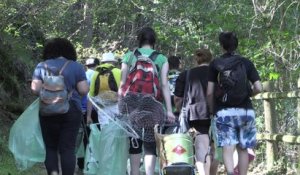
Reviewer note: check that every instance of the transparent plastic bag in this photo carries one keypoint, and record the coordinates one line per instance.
(25, 138)
(92, 155)
(114, 144)
(79, 149)
(107, 151)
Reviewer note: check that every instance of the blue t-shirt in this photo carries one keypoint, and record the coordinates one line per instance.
(89, 74)
(73, 73)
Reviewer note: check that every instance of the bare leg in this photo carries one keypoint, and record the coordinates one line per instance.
(214, 163)
(135, 160)
(54, 173)
(201, 149)
(214, 167)
(228, 158)
(243, 160)
(149, 162)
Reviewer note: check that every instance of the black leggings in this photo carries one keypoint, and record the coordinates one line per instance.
(59, 134)
(136, 147)
(202, 126)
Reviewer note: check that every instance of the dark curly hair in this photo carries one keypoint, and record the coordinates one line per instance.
(59, 47)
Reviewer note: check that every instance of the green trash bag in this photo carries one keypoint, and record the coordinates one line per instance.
(107, 151)
(25, 138)
(92, 154)
(79, 149)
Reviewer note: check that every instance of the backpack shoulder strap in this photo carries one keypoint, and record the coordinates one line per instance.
(132, 59)
(113, 80)
(104, 69)
(95, 84)
(137, 53)
(186, 88)
(47, 71)
(117, 75)
(222, 63)
(63, 67)
(154, 55)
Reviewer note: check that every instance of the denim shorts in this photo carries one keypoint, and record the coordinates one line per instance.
(235, 126)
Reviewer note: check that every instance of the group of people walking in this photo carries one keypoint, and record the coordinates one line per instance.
(234, 116)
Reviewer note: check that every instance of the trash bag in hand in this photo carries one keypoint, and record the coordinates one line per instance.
(25, 138)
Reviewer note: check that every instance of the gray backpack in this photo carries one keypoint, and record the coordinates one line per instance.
(196, 104)
(54, 96)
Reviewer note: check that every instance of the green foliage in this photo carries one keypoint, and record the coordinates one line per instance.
(264, 28)
(7, 161)
(268, 32)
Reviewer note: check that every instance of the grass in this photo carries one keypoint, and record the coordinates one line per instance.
(7, 161)
(8, 166)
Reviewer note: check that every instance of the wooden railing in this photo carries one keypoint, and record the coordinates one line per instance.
(271, 135)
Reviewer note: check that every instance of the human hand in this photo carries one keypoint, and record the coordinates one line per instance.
(89, 120)
(170, 117)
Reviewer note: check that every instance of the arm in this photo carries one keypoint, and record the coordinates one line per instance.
(254, 78)
(89, 106)
(256, 88)
(82, 87)
(210, 96)
(179, 90)
(89, 112)
(178, 103)
(166, 91)
(124, 72)
(36, 86)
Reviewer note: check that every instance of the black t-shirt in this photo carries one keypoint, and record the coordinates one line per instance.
(252, 76)
(197, 73)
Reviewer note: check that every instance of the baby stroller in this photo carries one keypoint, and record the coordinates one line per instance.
(175, 151)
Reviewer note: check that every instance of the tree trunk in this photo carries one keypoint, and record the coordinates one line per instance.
(87, 25)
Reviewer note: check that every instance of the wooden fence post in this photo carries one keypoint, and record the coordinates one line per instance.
(298, 124)
(298, 109)
(270, 125)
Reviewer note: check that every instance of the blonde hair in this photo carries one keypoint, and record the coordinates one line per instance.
(203, 56)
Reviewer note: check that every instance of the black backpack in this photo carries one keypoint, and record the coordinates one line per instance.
(233, 85)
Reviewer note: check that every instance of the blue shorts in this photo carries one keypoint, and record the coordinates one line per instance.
(235, 126)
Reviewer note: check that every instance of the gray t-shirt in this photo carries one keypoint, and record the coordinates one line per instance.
(73, 73)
